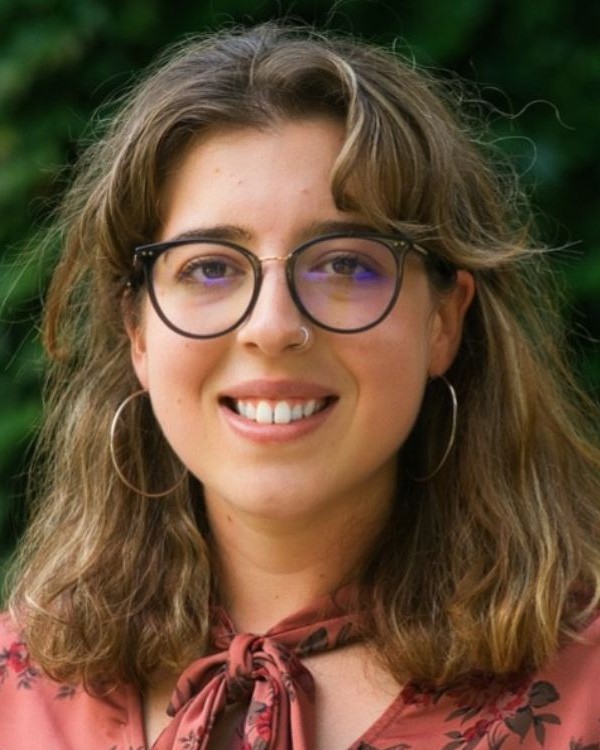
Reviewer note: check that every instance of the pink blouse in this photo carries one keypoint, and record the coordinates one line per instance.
(557, 709)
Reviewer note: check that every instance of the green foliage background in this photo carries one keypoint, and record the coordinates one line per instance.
(61, 59)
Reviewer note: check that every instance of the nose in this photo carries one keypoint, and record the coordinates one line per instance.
(274, 323)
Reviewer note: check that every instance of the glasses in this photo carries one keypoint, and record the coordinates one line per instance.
(203, 288)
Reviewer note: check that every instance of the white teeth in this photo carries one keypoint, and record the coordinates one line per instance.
(264, 413)
(309, 408)
(279, 413)
(282, 413)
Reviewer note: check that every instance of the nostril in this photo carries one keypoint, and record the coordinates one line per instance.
(273, 323)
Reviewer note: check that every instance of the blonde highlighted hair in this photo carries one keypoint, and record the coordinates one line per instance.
(488, 565)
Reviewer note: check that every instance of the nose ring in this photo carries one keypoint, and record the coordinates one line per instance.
(306, 339)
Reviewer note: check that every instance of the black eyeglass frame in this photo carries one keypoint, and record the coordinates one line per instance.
(398, 244)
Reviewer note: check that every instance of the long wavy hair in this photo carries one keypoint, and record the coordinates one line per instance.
(490, 564)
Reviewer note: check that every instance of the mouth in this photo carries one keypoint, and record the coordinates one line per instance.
(280, 412)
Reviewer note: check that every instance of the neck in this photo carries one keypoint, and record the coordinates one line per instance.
(268, 570)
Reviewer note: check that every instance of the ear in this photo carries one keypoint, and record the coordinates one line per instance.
(448, 322)
(136, 331)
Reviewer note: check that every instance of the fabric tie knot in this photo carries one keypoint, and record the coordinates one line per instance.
(245, 665)
(262, 672)
(241, 664)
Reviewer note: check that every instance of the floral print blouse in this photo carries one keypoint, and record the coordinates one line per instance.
(556, 709)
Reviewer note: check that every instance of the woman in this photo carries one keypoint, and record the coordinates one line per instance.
(314, 473)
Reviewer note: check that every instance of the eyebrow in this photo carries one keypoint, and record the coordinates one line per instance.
(234, 233)
(218, 232)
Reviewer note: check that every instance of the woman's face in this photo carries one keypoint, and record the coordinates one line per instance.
(270, 191)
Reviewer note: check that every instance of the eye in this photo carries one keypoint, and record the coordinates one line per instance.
(346, 261)
(348, 265)
(209, 270)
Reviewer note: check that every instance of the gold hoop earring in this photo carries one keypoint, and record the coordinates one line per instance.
(452, 438)
(113, 454)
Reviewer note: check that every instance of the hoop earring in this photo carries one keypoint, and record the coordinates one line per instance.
(452, 438)
(113, 453)
(306, 339)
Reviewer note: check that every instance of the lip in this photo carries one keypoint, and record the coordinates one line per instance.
(276, 390)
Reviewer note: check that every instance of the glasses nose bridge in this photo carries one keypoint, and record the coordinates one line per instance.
(284, 260)
(271, 258)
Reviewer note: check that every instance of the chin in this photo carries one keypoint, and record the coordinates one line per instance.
(277, 501)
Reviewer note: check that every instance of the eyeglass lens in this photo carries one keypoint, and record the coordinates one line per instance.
(345, 283)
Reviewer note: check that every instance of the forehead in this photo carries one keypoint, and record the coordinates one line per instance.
(236, 147)
(268, 177)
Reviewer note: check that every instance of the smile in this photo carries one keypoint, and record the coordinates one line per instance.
(277, 412)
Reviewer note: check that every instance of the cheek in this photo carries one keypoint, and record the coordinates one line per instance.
(391, 373)
(177, 372)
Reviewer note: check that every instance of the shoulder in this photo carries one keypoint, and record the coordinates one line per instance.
(575, 672)
(16, 669)
(37, 712)
(556, 707)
